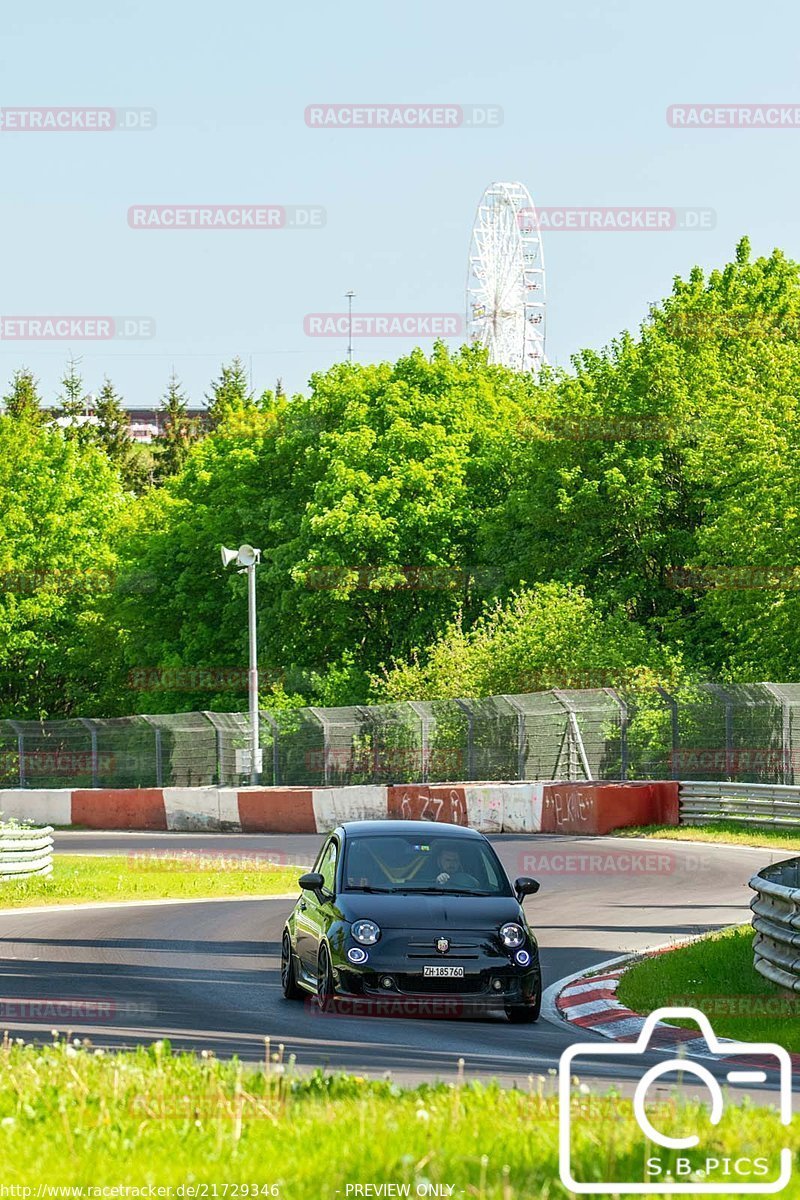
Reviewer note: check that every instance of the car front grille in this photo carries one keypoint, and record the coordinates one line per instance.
(423, 985)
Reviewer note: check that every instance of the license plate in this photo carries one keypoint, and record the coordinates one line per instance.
(444, 972)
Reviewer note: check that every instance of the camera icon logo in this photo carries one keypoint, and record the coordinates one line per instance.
(679, 1165)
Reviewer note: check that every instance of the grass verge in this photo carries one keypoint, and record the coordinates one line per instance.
(716, 975)
(736, 833)
(80, 879)
(73, 1117)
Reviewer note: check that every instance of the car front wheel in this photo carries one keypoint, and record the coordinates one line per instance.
(289, 986)
(325, 995)
(525, 1014)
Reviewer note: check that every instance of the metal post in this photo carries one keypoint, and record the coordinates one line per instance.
(623, 731)
(20, 750)
(93, 734)
(575, 737)
(787, 761)
(276, 750)
(253, 673)
(676, 735)
(521, 739)
(319, 713)
(715, 689)
(220, 777)
(425, 747)
(462, 704)
(157, 731)
(349, 296)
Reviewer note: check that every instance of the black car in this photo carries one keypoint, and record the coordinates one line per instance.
(398, 909)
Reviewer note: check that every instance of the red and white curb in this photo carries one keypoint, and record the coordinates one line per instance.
(589, 1002)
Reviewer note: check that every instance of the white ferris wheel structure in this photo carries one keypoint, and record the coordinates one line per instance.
(505, 279)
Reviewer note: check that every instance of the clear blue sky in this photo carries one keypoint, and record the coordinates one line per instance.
(584, 87)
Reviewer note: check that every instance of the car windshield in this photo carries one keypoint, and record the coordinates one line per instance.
(433, 864)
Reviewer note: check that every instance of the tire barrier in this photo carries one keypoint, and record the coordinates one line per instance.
(25, 852)
(776, 920)
(489, 807)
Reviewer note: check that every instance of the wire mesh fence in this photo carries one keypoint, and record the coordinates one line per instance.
(748, 733)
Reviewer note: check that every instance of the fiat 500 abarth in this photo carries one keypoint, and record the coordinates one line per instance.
(397, 909)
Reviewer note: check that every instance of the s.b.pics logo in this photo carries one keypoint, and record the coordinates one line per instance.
(675, 1159)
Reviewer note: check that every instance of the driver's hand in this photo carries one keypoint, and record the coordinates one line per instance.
(443, 877)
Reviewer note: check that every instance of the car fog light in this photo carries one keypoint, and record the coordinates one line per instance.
(522, 958)
(387, 981)
(357, 955)
(497, 984)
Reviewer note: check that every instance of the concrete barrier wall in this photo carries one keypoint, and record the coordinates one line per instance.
(597, 808)
(590, 808)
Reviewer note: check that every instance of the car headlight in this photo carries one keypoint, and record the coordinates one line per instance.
(512, 935)
(366, 932)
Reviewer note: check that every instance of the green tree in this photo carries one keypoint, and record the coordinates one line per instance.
(177, 429)
(112, 428)
(230, 393)
(549, 636)
(23, 401)
(365, 496)
(73, 403)
(59, 501)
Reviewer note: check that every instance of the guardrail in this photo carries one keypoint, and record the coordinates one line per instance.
(776, 920)
(765, 803)
(25, 852)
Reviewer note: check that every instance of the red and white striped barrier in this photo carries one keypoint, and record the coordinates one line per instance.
(490, 807)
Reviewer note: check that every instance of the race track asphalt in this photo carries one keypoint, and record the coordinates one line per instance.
(205, 974)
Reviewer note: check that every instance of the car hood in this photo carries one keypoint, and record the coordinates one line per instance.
(404, 911)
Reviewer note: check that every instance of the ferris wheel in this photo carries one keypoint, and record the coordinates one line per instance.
(505, 279)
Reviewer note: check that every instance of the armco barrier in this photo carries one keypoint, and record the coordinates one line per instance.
(25, 852)
(489, 807)
(766, 803)
(776, 919)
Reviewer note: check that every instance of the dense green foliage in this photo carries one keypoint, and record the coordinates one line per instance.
(435, 526)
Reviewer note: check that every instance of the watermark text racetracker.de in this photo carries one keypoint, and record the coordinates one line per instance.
(69, 1011)
(75, 328)
(613, 862)
(379, 325)
(77, 120)
(226, 216)
(601, 218)
(403, 116)
(214, 861)
(734, 116)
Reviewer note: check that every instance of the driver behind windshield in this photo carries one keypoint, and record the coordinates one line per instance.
(451, 870)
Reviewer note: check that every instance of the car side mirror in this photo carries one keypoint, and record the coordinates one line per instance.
(525, 886)
(312, 882)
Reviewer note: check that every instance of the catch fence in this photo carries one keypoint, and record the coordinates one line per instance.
(748, 733)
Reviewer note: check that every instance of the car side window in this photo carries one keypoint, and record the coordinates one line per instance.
(327, 867)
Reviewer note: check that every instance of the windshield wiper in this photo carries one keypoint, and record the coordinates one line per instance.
(365, 888)
(443, 892)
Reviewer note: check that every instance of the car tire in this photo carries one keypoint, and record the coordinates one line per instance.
(289, 985)
(525, 1014)
(325, 992)
(521, 1014)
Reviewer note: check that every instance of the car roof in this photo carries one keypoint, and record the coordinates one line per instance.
(406, 829)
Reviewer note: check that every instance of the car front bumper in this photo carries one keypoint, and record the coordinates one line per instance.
(393, 984)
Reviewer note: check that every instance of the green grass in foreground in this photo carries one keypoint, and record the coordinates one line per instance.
(716, 975)
(80, 879)
(737, 833)
(71, 1116)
